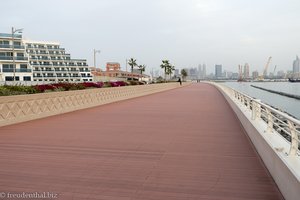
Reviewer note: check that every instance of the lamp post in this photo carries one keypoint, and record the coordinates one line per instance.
(13, 31)
(95, 51)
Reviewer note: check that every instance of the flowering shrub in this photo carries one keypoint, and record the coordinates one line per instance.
(91, 84)
(63, 86)
(43, 88)
(118, 84)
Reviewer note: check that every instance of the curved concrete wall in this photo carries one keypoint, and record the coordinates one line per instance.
(276, 161)
(20, 108)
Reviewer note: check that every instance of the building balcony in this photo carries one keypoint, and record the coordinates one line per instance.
(11, 58)
(8, 35)
(45, 76)
(17, 70)
(31, 47)
(8, 46)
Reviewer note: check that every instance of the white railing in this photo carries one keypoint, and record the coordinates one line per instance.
(277, 122)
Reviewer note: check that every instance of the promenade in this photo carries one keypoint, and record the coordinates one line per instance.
(184, 144)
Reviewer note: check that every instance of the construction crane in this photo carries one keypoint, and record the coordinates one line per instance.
(264, 75)
(266, 67)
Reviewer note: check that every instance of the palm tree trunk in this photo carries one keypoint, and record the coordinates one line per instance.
(165, 74)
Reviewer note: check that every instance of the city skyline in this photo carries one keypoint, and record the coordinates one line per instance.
(188, 34)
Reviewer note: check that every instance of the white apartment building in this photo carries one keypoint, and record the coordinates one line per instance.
(39, 61)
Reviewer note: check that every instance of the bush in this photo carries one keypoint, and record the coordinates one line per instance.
(91, 84)
(43, 88)
(65, 86)
(118, 84)
(106, 84)
(4, 91)
(77, 86)
(133, 82)
(7, 90)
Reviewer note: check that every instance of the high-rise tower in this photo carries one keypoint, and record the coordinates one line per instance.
(296, 67)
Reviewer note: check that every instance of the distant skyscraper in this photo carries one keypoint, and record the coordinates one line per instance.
(193, 73)
(218, 71)
(201, 71)
(296, 65)
(204, 70)
(246, 71)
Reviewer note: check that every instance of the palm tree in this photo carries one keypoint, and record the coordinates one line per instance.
(142, 68)
(183, 73)
(132, 64)
(170, 70)
(165, 65)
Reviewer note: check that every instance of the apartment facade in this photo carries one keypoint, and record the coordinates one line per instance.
(39, 62)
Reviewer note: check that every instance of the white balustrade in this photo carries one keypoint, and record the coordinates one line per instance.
(277, 122)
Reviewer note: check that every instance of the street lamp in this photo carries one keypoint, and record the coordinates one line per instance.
(95, 51)
(13, 31)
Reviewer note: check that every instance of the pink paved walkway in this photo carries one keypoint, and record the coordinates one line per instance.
(181, 144)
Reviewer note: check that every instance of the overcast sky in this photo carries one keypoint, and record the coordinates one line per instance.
(186, 32)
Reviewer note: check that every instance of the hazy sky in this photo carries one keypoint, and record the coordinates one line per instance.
(187, 32)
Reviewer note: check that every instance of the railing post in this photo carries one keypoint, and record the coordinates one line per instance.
(248, 103)
(258, 107)
(294, 139)
(270, 121)
(232, 92)
(253, 116)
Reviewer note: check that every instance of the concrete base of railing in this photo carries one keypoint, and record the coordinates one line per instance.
(272, 151)
(21, 108)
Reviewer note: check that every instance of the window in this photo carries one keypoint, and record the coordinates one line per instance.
(8, 78)
(26, 78)
(11, 78)
(23, 66)
(4, 42)
(17, 43)
(7, 66)
(9, 54)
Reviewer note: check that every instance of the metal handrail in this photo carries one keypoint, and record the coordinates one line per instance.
(277, 121)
